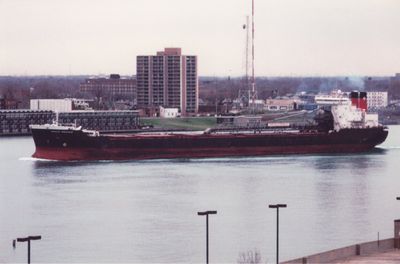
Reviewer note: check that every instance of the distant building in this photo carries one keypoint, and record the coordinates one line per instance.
(247, 121)
(377, 100)
(113, 86)
(306, 106)
(257, 104)
(169, 112)
(6, 103)
(102, 120)
(60, 105)
(2, 103)
(306, 97)
(394, 87)
(16, 122)
(168, 79)
(280, 104)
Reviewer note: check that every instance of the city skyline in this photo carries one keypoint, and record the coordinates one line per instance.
(292, 38)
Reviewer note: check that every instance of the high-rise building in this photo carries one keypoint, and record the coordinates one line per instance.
(168, 79)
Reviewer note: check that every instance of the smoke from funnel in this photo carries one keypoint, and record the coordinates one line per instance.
(356, 82)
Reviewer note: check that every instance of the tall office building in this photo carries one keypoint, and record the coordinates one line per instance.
(168, 79)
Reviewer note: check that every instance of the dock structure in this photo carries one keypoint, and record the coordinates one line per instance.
(379, 251)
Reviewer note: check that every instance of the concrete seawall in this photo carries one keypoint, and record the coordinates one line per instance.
(346, 252)
(362, 249)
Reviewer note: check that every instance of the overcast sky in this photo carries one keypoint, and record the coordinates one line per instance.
(292, 37)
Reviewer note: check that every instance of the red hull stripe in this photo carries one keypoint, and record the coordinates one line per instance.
(70, 154)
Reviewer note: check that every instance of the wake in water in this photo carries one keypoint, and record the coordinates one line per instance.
(70, 161)
(388, 147)
(33, 159)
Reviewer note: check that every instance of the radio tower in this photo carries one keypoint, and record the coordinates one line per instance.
(244, 91)
(253, 94)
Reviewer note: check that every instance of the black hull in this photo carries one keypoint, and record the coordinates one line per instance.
(77, 145)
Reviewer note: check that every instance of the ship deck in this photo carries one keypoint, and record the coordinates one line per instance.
(199, 133)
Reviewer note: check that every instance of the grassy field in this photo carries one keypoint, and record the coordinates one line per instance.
(190, 123)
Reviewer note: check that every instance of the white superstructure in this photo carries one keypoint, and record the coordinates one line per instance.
(337, 98)
(347, 114)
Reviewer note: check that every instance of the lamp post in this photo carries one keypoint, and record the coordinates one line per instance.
(277, 206)
(28, 239)
(206, 213)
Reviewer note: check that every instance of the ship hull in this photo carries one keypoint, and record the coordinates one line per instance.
(76, 145)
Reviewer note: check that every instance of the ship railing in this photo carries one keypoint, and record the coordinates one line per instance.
(91, 133)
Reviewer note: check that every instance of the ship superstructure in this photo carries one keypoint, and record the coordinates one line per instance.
(349, 111)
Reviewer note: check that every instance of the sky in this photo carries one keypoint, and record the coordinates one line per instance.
(292, 37)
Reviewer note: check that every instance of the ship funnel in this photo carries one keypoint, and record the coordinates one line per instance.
(359, 100)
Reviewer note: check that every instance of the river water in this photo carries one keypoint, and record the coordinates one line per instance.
(146, 211)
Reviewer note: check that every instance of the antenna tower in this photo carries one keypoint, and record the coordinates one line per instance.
(244, 91)
(253, 88)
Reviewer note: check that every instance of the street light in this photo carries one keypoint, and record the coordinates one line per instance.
(28, 239)
(277, 206)
(206, 213)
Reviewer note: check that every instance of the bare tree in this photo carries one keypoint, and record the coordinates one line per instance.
(249, 257)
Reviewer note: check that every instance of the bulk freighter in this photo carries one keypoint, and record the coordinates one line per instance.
(345, 128)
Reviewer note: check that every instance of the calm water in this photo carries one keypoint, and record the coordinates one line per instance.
(147, 211)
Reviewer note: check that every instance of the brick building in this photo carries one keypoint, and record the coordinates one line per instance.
(112, 86)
